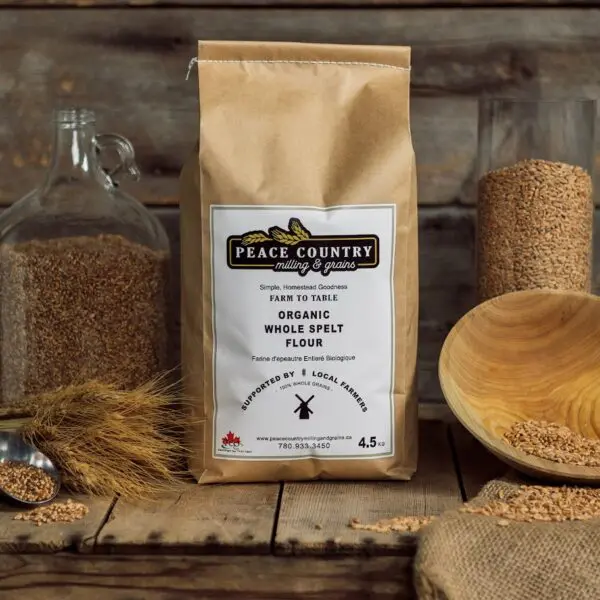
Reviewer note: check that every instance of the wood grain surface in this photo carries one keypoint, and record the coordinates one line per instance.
(314, 517)
(130, 66)
(245, 519)
(532, 354)
(293, 3)
(476, 466)
(24, 536)
(71, 577)
(328, 576)
(202, 519)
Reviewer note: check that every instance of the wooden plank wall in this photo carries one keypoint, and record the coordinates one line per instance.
(128, 59)
(130, 64)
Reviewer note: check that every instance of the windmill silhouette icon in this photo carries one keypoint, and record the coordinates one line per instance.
(304, 409)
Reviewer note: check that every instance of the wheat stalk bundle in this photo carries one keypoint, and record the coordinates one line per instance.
(106, 440)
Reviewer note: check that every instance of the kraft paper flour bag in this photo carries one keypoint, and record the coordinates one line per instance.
(300, 269)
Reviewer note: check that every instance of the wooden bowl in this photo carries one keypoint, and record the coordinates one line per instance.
(527, 355)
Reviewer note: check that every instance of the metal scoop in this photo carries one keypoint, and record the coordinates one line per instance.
(14, 449)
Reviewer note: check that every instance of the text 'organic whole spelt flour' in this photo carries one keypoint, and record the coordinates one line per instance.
(300, 274)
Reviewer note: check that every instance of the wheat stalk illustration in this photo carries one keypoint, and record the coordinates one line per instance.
(255, 237)
(297, 233)
(284, 237)
(298, 229)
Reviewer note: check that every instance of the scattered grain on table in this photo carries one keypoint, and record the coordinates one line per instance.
(529, 503)
(553, 442)
(408, 524)
(59, 512)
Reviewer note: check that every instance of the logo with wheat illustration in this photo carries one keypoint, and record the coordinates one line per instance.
(297, 233)
(296, 249)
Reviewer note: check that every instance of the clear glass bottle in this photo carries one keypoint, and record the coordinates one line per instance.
(535, 195)
(83, 273)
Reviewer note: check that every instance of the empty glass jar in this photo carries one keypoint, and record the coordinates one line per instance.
(535, 195)
(83, 273)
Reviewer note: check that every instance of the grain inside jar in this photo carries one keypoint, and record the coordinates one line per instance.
(77, 309)
(534, 228)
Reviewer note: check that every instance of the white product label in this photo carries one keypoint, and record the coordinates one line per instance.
(304, 331)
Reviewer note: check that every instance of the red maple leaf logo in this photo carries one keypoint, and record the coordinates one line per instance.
(230, 438)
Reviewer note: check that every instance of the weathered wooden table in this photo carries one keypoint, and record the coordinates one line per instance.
(245, 542)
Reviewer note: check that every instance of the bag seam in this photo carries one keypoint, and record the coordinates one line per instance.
(306, 62)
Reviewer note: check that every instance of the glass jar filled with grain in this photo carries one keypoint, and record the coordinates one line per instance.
(83, 272)
(535, 203)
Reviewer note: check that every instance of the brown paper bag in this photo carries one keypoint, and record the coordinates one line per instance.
(300, 274)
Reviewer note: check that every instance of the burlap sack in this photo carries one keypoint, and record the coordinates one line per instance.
(464, 556)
